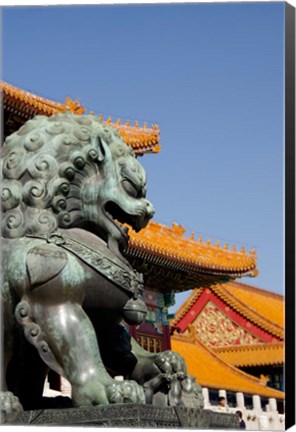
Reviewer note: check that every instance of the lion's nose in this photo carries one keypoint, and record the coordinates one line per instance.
(150, 209)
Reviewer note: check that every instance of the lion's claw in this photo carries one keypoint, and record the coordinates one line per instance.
(10, 407)
(125, 392)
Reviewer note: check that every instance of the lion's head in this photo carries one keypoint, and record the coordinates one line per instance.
(71, 171)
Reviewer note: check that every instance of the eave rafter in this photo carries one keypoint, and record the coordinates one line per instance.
(200, 263)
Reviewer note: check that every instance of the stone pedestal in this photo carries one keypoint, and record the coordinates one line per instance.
(130, 415)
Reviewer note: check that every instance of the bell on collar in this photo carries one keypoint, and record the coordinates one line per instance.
(134, 311)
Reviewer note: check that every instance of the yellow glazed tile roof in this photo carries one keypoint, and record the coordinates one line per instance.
(38, 104)
(213, 372)
(196, 255)
(262, 307)
(141, 138)
(253, 355)
(268, 304)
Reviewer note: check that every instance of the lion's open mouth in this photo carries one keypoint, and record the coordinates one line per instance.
(118, 216)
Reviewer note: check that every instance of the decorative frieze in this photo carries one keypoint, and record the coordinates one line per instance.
(215, 329)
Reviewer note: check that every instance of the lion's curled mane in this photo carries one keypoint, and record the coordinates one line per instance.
(44, 165)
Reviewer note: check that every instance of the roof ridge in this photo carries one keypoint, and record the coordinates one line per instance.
(250, 313)
(253, 288)
(10, 87)
(179, 230)
(248, 347)
(195, 255)
(186, 306)
(69, 104)
(141, 138)
(250, 355)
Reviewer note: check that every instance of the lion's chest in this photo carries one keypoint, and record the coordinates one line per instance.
(100, 293)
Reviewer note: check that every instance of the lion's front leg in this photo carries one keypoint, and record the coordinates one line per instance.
(69, 345)
(10, 406)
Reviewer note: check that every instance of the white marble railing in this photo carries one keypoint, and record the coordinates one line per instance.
(256, 418)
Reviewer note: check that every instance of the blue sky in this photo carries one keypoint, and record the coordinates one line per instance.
(210, 75)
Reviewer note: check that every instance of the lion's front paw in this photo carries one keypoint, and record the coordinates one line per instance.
(10, 407)
(125, 392)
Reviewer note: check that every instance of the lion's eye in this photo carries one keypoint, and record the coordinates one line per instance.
(129, 188)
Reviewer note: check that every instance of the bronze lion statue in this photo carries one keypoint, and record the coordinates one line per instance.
(69, 183)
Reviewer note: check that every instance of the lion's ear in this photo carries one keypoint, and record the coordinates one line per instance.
(104, 153)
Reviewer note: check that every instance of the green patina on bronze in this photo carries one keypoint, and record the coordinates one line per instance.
(68, 184)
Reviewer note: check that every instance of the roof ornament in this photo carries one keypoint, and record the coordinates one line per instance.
(264, 379)
(74, 106)
(178, 229)
(192, 331)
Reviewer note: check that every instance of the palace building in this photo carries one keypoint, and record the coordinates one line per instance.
(238, 323)
(230, 334)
